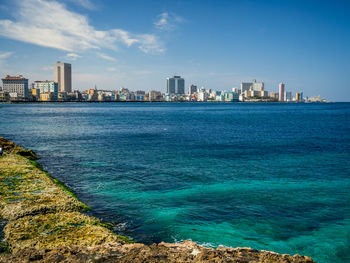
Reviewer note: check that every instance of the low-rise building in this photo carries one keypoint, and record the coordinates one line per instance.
(16, 86)
(274, 95)
(289, 96)
(154, 95)
(47, 96)
(4, 96)
(47, 86)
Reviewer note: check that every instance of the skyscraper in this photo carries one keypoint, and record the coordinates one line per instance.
(192, 89)
(176, 85)
(281, 95)
(63, 76)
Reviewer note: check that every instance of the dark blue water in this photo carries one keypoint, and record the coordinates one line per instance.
(268, 176)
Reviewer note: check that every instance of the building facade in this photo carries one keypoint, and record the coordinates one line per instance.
(251, 89)
(281, 92)
(299, 96)
(192, 89)
(47, 86)
(154, 95)
(16, 86)
(175, 85)
(289, 96)
(63, 76)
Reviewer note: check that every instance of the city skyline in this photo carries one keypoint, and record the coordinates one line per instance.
(303, 45)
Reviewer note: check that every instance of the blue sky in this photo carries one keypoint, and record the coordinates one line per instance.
(215, 44)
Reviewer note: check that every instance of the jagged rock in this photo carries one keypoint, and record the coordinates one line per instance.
(163, 253)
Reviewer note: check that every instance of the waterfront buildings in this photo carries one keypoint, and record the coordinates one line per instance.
(45, 87)
(92, 95)
(48, 96)
(63, 76)
(254, 85)
(281, 92)
(4, 96)
(289, 96)
(140, 95)
(16, 87)
(202, 94)
(154, 95)
(175, 85)
(299, 96)
(192, 89)
(252, 89)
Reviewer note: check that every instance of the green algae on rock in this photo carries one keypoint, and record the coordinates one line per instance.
(26, 190)
(55, 230)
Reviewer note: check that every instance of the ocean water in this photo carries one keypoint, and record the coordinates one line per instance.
(268, 176)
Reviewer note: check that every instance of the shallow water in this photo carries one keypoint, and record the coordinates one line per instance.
(269, 176)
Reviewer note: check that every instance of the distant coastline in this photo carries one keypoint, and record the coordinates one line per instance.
(190, 102)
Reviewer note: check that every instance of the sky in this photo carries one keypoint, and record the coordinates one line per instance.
(215, 44)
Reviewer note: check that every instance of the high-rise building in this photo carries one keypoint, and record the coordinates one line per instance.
(16, 86)
(192, 89)
(281, 92)
(176, 85)
(299, 96)
(63, 76)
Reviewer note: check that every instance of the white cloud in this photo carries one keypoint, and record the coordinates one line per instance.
(5, 55)
(111, 69)
(106, 57)
(51, 24)
(167, 21)
(72, 56)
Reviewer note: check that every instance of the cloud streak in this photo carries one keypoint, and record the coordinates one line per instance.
(51, 24)
(72, 56)
(106, 57)
(168, 22)
(5, 55)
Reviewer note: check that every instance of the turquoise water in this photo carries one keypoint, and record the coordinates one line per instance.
(269, 176)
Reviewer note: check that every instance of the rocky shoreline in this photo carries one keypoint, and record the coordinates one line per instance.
(45, 223)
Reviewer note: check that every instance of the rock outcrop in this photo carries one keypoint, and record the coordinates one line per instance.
(45, 223)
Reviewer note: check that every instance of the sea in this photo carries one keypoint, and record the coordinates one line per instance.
(271, 176)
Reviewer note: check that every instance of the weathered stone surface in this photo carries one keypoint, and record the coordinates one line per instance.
(165, 253)
(55, 230)
(26, 190)
(10, 147)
